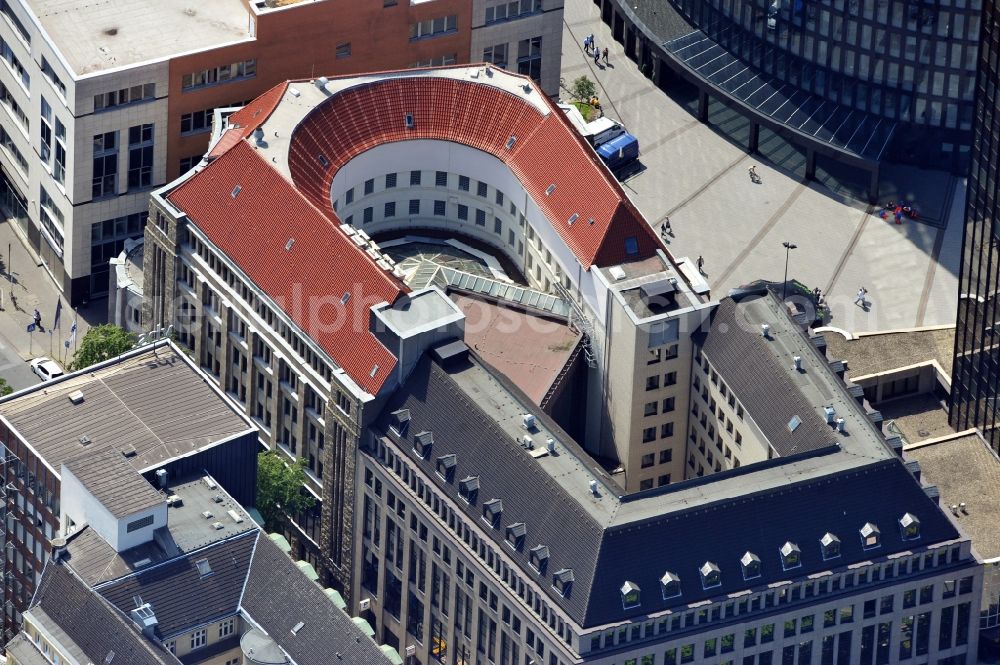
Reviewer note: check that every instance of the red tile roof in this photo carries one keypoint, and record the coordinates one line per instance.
(243, 122)
(547, 151)
(307, 281)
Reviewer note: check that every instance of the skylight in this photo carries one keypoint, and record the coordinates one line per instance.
(794, 423)
(204, 568)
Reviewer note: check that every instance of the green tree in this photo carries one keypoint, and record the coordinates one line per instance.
(279, 489)
(5, 388)
(583, 88)
(101, 343)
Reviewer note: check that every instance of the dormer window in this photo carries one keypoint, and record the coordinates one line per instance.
(791, 556)
(422, 444)
(670, 585)
(538, 557)
(445, 467)
(562, 581)
(630, 595)
(711, 576)
(468, 489)
(492, 510)
(830, 545)
(400, 421)
(751, 566)
(515, 535)
(871, 537)
(909, 526)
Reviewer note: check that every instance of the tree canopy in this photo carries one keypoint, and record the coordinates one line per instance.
(280, 489)
(102, 343)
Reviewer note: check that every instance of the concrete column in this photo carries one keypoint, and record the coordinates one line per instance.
(810, 164)
(702, 106)
(754, 138)
(873, 184)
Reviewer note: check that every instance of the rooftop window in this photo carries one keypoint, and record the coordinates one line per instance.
(630, 595)
(751, 566)
(631, 246)
(830, 545)
(670, 585)
(871, 537)
(711, 576)
(562, 581)
(910, 526)
(791, 556)
(538, 557)
(400, 421)
(492, 510)
(468, 488)
(446, 467)
(515, 535)
(422, 443)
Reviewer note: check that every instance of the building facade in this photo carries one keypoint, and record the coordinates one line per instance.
(98, 115)
(976, 370)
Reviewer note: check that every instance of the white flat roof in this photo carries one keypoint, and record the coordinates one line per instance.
(108, 34)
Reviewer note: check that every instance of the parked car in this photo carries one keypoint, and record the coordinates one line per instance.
(46, 369)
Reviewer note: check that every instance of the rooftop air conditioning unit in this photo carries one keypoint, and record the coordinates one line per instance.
(365, 604)
(528, 421)
(527, 442)
(411, 651)
(765, 330)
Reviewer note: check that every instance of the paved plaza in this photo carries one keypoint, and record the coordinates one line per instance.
(699, 179)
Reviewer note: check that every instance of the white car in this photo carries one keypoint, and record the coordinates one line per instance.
(46, 369)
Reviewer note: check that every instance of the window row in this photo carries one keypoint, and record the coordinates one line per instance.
(221, 74)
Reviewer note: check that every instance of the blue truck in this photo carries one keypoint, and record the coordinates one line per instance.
(619, 151)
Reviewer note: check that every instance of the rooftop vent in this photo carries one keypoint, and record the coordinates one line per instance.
(174, 501)
(84, 440)
(217, 498)
(76, 396)
(511, 141)
(236, 191)
(617, 272)
(128, 450)
(591, 221)
(294, 92)
(258, 137)
(110, 657)
(234, 516)
(551, 188)
(527, 442)
(830, 413)
(765, 331)
(321, 81)
(297, 627)
(211, 484)
(374, 371)
(528, 420)
(408, 121)
(572, 218)
(218, 526)
(593, 487)
(344, 298)
(797, 363)
(161, 477)
(324, 162)
(288, 245)
(207, 514)
(840, 424)
(550, 445)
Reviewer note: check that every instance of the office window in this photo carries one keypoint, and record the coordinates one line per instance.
(390, 180)
(666, 430)
(414, 206)
(140, 156)
(648, 434)
(390, 210)
(439, 208)
(343, 50)
(463, 212)
(131, 95)
(480, 217)
(221, 74)
(441, 179)
(369, 186)
(433, 27)
(529, 57)
(367, 215)
(46, 146)
(496, 55)
(481, 189)
(414, 178)
(666, 456)
(227, 627)
(105, 175)
(199, 638)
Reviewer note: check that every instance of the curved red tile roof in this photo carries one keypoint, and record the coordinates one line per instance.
(243, 122)
(547, 151)
(307, 281)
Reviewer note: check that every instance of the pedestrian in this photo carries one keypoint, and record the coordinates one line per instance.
(590, 40)
(701, 264)
(38, 320)
(605, 55)
(666, 224)
(860, 299)
(586, 44)
(597, 55)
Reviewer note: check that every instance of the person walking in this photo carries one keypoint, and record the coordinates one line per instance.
(38, 320)
(606, 55)
(666, 227)
(597, 55)
(860, 299)
(701, 264)
(586, 43)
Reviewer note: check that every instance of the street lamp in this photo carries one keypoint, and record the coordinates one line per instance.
(788, 249)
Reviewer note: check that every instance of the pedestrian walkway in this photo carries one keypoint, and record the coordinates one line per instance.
(27, 285)
(699, 179)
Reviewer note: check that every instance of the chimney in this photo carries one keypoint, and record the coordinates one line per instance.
(161, 477)
(765, 330)
(797, 362)
(840, 424)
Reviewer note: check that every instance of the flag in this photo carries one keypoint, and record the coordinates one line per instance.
(55, 321)
(72, 335)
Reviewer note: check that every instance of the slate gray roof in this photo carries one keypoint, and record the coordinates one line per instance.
(68, 608)
(760, 373)
(114, 482)
(278, 596)
(676, 529)
(181, 597)
(152, 401)
(24, 652)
